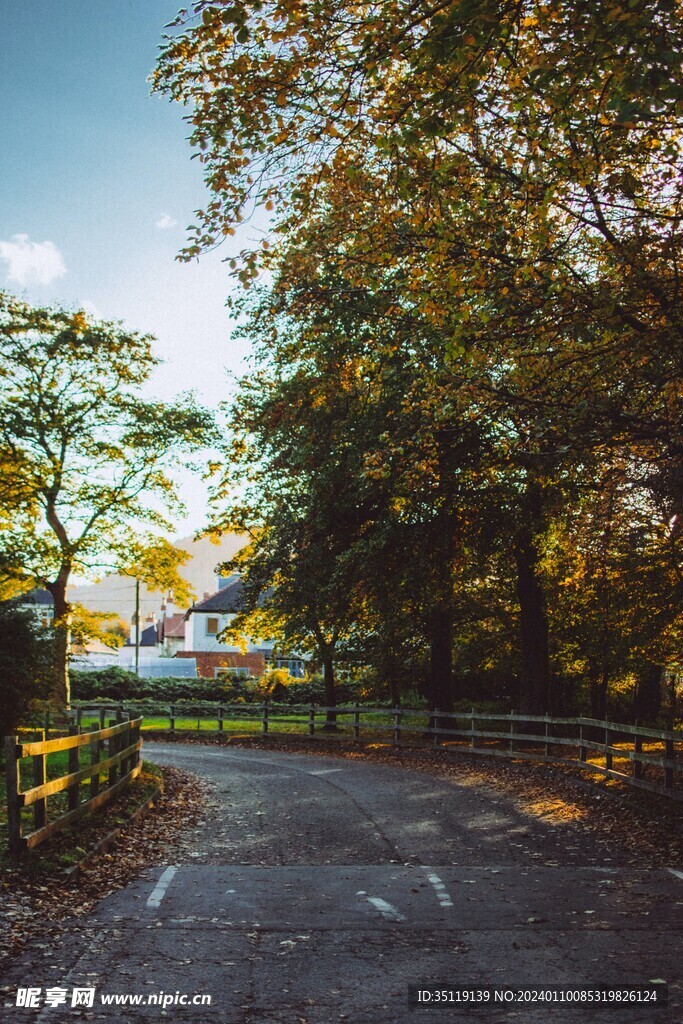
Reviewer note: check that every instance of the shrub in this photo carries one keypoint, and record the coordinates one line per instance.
(117, 684)
(26, 664)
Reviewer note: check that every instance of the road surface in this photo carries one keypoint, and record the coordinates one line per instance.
(319, 889)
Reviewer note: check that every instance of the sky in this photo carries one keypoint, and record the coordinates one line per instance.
(97, 188)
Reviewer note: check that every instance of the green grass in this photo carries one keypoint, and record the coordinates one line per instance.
(280, 722)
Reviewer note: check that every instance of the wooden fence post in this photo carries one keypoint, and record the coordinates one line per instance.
(39, 779)
(436, 718)
(356, 722)
(111, 750)
(546, 748)
(472, 721)
(669, 754)
(397, 727)
(264, 719)
(13, 788)
(311, 719)
(637, 764)
(511, 744)
(608, 753)
(129, 762)
(94, 758)
(583, 750)
(171, 717)
(220, 718)
(47, 723)
(73, 791)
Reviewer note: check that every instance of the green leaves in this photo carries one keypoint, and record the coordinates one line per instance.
(85, 455)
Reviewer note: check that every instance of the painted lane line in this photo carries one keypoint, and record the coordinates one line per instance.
(325, 771)
(385, 909)
(677, 874)
(160, 888)
(440, 890)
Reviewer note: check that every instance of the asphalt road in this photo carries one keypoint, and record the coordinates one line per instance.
(319, 889)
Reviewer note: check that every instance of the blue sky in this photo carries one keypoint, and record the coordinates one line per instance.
(97, 186)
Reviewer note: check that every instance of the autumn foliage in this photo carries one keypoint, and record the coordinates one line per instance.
(466, 406)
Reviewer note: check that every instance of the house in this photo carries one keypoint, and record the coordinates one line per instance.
(213, 664)
(148, 647)
(204, 623)
(41, 603)
(171, 629)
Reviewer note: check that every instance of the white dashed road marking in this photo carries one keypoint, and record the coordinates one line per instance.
(159, 890)
(440, 890)
(678, 874)
(326, 771)
(385, 909)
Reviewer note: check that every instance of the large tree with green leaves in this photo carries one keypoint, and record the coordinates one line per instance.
(504, 176)
(86, 454)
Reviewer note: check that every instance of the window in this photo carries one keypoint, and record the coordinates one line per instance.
(211, 626)
(294, 666)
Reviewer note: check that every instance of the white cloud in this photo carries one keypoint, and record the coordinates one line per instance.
(165, 221)
(32, 262)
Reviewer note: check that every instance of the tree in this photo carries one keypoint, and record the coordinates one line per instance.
(504, 178)
(26, 660)
(86, 452)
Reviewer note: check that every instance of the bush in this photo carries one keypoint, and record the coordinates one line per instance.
(117, 684)
(26, 664)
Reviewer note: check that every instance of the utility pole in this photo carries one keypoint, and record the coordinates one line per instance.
(137, 627)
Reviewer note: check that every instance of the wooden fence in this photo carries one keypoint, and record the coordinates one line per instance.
(119, 763)
(646, 758)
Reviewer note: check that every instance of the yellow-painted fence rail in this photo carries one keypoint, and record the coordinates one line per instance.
(114, 761)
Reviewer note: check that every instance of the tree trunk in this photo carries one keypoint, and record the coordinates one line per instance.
(441, 660)
(394, 691)
(647, 697)
(598, 691)
(61, 694)
(330, 689)
(535, 658)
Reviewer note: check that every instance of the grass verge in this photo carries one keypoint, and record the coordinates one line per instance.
(69, 847)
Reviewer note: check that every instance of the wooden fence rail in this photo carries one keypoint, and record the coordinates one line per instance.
(587, 743)
(120, 761)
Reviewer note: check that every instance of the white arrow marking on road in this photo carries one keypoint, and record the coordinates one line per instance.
(160, 888)
(385, 909)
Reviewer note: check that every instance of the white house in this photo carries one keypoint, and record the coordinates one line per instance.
(205, 621)
(39, 602)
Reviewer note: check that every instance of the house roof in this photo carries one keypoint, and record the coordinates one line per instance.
(209, 661)
(174, 625)
(37, 596)
(227, 599)
(148, 638)
(230, 598)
